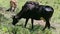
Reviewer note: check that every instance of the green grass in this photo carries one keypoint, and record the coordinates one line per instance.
(5, 19)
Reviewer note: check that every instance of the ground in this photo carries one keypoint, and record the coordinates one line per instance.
(6, 19)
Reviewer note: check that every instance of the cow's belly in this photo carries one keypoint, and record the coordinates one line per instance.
(40, 18)
(36, 18)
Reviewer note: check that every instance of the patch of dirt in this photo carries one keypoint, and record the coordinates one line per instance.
(40, 22)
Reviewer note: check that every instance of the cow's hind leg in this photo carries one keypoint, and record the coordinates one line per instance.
(47, 24)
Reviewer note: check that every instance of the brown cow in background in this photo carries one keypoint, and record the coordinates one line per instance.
(13, 5)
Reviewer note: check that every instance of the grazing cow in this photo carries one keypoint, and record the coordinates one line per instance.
(13, 5)
(34, 11)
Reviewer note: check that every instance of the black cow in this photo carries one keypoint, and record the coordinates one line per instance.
(34, 11)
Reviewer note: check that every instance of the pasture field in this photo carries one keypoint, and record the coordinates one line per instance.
(6, 19)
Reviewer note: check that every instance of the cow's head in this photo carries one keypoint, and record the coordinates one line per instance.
(15, 20)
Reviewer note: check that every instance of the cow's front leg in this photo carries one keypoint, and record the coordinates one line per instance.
(26, 22)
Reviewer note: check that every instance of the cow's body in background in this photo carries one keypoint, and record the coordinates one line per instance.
(34, 11)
